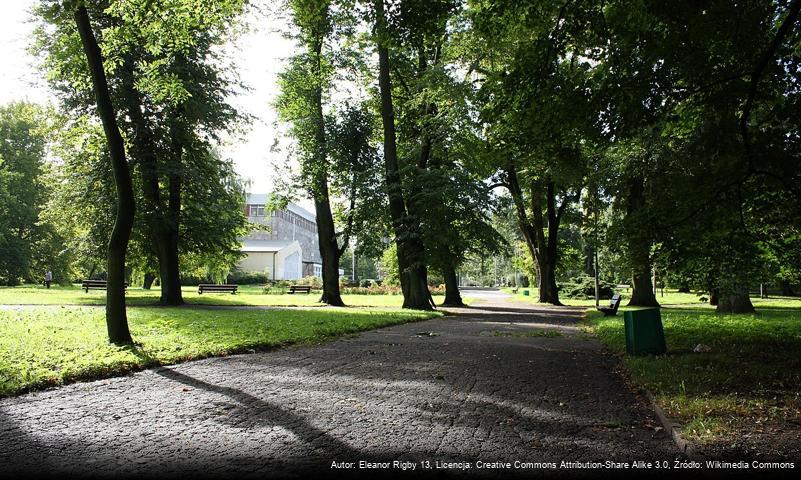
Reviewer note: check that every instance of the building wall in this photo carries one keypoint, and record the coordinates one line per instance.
(257, 262)
(288, 265)
(286, 225)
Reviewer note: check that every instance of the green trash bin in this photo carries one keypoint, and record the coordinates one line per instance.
(644, 332)
(525, 293)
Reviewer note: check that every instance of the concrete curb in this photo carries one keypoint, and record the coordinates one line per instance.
(673, 428)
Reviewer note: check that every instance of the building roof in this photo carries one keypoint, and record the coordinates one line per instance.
(273, 246)
(263, 199)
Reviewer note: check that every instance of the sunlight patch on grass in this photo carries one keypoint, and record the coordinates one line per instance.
(51, 345)
(745, 371)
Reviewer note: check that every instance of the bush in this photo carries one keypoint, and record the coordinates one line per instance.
(584, 287)
(248, 278)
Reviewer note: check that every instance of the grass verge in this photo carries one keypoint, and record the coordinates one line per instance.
(52, 345)
(247, 295)
(740, 382)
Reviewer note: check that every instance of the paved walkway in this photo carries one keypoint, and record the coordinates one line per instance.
(462, 388)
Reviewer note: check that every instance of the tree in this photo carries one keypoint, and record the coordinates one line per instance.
(172, 88)
(24, 133)
(303, 87)
(538, 112)
(116, 318)
(410, 248)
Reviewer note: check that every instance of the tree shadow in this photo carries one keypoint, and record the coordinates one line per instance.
(269, 414)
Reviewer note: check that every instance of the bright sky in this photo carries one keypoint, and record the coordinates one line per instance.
(259, 56)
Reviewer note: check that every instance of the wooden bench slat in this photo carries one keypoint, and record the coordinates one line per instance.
(87, 285)
(213, 287)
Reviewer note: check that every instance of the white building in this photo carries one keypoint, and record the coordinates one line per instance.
(288, 249)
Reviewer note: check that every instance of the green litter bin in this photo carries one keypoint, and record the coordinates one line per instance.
(644, 333)
(525, 293)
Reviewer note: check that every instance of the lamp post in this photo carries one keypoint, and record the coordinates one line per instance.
(353, 260)
(595, 247)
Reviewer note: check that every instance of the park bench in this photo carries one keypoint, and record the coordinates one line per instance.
(213, 287)
(611, 310)
(514, 290)
(623, 286)
(95, 285)
(299, 288)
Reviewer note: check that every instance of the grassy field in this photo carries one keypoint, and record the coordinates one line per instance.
(670, 297)
(50, 345)
(743, 379)
(247, 295)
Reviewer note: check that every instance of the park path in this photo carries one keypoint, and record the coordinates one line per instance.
(462, 388)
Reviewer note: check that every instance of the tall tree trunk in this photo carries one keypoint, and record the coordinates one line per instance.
(330, 252)
(170, 272)
(452, 296)
(413, 274)
(116, 316)
(639, 242)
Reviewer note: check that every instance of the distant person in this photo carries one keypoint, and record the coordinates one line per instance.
(48, 278)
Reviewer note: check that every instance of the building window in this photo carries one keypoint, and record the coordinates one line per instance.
(257, 210)
(318, 270)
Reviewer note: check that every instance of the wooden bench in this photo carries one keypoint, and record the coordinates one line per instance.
(300, 288)
(96, 285)
(213, 287)
(622, 286)
(611, 310)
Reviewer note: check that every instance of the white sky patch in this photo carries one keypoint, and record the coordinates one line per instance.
(258, 55)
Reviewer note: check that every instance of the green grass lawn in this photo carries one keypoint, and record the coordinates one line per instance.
(247, 295)
(670, 297)
(50, 345)
(749, 377)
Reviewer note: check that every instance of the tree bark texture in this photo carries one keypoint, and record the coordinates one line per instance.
(412, 269)
(330, 252)
(452, 296)
(116, 316)
(639, 243)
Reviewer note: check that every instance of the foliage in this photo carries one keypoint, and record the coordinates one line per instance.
(389, 265)
(762, 348)
(28, 248)
(584, 287)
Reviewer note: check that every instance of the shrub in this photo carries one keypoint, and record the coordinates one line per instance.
(248, 278)
(584, 287)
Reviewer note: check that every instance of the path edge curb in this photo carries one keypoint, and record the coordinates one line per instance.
(672, 427)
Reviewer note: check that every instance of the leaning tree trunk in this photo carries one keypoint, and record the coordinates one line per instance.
(410, 249)
(147, 283)
(452, 296)
(639, 243)
(116, 316)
